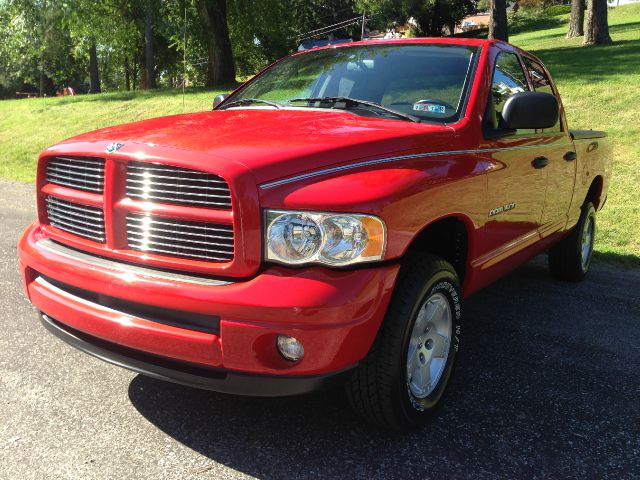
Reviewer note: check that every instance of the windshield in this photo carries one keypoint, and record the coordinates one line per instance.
(428, 82)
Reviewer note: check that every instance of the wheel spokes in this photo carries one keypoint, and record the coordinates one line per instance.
(429, 345)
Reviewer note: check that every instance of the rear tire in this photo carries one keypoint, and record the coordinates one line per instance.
(570, 259)
(404, 376)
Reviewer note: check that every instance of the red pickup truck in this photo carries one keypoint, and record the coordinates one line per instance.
(321, 225)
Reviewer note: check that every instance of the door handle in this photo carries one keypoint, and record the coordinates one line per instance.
(570, 156)
(540, 162)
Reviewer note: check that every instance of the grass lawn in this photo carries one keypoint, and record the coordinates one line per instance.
(600, 87)
(27, 126)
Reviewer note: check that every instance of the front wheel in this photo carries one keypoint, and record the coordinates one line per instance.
(404, 376)
(570, 259)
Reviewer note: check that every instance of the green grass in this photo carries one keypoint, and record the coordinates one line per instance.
(600, 87)
(29, 125)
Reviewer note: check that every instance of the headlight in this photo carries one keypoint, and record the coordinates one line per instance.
(328, 238)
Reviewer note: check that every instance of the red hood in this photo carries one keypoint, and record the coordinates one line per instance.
(277, 143)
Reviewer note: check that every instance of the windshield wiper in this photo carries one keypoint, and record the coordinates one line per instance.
(249, 101)
(355, 102)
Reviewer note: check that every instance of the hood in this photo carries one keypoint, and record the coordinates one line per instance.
(278, 143)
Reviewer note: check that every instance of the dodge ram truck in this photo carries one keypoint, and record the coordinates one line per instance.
(320, 226)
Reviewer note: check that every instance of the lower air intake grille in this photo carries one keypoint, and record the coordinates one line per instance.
(180, 238)
(82, 220)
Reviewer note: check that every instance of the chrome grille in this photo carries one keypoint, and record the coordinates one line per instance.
(82, 173)
(180, 238)
(175, 185)
(82, 220)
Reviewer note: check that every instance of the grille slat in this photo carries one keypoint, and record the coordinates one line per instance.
(222, 188)
(55, 177)
(196, 250)
(192, 234)
(73, 227)
(74, 218)
(196, 225)
(163, 237)
(177, 186)
(190, 202)
(64, 205)
(157, 190)
(188, 175)
(142, 236)
(73, 168)
(66, 216)
(79, 173)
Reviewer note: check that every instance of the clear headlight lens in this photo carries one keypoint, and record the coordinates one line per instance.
(328, 238)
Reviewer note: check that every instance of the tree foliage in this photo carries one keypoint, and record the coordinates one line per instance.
(127, 44)
(431, 16)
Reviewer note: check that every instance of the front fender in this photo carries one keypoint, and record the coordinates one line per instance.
(408, 195)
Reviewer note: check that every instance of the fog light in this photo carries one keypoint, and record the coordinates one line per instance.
(290, 348)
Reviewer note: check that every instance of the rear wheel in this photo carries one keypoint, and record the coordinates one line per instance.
(404, 376)
(570, 259)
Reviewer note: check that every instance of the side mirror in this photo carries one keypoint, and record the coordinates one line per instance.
(219, 99)
(529, 110)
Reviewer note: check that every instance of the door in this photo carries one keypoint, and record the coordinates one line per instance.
(517, 181)
(561, 170)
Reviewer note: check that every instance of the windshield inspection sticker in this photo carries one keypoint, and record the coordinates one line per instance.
(423, 106)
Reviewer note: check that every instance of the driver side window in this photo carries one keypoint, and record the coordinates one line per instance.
(508, 79)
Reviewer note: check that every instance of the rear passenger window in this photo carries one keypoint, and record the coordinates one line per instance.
(541, 83)
(508, 79)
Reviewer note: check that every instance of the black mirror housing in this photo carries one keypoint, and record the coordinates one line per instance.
(529, 110)
(219, 99)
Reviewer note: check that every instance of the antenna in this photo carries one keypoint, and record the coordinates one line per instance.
(184, 55)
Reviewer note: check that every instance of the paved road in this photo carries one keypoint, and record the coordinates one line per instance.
(547, 386)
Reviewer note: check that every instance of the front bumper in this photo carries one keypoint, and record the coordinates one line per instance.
(335, 314)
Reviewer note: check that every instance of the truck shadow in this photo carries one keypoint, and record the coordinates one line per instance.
(542, 388)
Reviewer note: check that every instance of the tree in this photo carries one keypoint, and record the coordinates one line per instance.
(431, 16)
(498, 21)
(597, 31)
(213, 16)
(576, 21)
(94, 73)
(149, 56)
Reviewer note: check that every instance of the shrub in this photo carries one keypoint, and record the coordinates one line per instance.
(555, 10)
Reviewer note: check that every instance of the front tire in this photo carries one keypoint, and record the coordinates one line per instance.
(404, 376)
(570, 259)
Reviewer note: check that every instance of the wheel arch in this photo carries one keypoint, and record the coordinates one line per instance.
(594, 194)
(449, 237)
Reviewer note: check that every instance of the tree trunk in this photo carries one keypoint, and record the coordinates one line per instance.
(134, 71)
(94, 74)
(576, 22)
(498, 21)
(213, 16)
(41, 77)
(127, 74)
(149, 56)
(597, 31)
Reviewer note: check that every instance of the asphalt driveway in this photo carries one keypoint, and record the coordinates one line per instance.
(547, 386)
